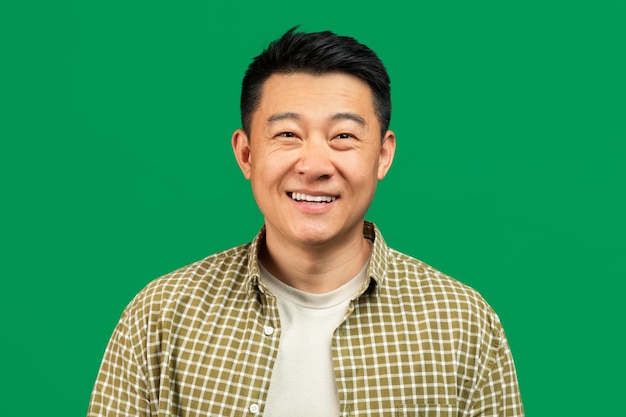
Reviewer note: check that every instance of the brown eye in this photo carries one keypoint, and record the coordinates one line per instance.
(344, 136)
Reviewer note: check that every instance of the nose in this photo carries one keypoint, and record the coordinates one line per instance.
(315, 160)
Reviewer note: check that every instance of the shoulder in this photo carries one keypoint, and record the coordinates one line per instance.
(196, 283)
(436, 293)
(421, 288)
(401, 266)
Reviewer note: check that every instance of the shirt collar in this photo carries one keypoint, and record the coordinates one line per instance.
(375, 273)
(378, 258)
(253, 260)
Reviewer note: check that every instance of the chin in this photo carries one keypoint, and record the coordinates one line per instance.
(316, 235)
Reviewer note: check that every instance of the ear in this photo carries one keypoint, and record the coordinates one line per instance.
(241, 148)
(387, 152)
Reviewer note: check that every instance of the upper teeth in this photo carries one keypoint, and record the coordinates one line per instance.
(313, 198)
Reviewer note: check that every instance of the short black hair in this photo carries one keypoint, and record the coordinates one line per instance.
(316, 53)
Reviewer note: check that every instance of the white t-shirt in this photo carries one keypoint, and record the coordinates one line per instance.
(303, 380)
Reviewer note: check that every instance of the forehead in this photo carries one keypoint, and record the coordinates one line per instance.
(315, 95)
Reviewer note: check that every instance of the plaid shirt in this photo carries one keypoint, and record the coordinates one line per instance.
(202, 340)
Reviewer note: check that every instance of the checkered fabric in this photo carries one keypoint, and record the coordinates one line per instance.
(201, 341)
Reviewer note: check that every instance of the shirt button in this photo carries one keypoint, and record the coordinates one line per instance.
(254, 409)
(268, 330)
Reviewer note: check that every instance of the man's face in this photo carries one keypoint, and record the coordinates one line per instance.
(314, 157)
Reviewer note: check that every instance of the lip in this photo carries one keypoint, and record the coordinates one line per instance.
(313, 193)
(309, 207)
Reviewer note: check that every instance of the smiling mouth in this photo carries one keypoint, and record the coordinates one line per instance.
(311, 198)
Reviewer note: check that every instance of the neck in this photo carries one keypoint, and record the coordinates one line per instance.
(315, 269)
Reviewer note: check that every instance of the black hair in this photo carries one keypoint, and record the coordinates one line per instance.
(316, 53)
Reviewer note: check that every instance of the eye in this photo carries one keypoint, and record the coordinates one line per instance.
(286, 135)
(345, 136)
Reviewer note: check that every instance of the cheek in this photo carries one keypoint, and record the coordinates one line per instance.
(266, 173)
(360, 170)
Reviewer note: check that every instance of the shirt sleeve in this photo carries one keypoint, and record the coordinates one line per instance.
(498, 394)
(121, 388)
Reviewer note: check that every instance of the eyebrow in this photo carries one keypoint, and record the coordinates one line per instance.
(282, 116)
(350, 116)
(337, 116)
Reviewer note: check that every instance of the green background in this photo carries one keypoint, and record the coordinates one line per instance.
(116, 168)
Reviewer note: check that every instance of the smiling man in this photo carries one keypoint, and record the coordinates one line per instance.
(314, 154)
(317, 316)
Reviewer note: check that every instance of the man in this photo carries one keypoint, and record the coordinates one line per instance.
(316, 316)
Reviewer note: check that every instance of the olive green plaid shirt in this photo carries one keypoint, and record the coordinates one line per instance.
(202, 340)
